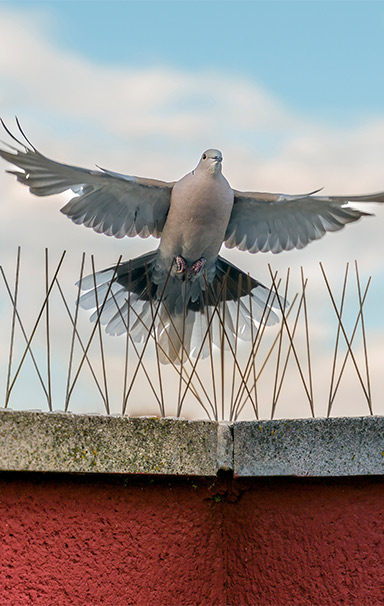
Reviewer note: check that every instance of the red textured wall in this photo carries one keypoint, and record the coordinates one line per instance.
(167, 541)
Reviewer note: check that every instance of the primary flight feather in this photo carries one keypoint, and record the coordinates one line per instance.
(192, 217)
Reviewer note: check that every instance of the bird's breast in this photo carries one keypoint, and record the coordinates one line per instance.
(198, 218)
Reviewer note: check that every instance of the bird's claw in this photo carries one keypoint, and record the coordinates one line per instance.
(198, 266)
(181, 264)
(195, 269)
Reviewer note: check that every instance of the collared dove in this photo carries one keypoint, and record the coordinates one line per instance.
(192, 217)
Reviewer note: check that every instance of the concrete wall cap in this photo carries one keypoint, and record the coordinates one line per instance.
(345, 446)
(76, 443)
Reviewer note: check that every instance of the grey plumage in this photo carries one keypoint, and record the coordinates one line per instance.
(192, 217)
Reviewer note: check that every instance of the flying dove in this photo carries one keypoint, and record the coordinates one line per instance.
(193, 217)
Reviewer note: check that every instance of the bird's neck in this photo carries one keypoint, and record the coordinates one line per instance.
(214, 169)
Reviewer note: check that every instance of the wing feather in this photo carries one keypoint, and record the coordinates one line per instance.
(276, 222)
(110, 203)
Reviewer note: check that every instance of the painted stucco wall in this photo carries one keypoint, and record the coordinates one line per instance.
(165, 540)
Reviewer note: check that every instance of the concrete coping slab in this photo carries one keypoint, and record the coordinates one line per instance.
(346, 446)
(78, 443)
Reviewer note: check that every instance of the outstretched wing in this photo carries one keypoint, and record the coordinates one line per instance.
(276, 222)
(110, 203)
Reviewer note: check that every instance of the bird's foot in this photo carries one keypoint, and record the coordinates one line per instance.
(198, 266)
(181, 264)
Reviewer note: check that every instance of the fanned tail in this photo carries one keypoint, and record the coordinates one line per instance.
(185, 314)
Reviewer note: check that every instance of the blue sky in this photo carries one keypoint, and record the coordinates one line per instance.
(291, 92)
(323, 58)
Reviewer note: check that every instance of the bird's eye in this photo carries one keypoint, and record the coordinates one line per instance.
(204, 156)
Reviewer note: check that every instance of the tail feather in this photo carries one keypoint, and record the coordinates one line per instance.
(146, 296)
(119, 321)
(199, 340)
(174, 334)
(112, 306)
(95, 297)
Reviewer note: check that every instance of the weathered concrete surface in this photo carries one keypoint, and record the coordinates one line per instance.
(66, 442)
(310, 447)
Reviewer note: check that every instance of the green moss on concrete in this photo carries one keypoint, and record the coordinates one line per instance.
(67, 442)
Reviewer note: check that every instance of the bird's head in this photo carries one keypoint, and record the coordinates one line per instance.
(211, 160)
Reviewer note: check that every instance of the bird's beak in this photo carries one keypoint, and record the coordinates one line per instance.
(218, 158)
